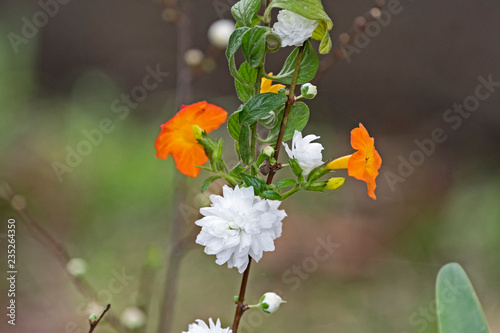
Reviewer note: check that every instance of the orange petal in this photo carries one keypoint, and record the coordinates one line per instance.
(360, 139)
(176, 136)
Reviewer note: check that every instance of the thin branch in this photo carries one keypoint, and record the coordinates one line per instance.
(94, 324)
(56, 249)
(240, 306)
(288, 106)
(183, 96)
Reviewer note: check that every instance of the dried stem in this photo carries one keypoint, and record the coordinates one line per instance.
(183, 95)
(57, 249)
(94, 324)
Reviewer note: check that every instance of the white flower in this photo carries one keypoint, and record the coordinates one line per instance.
(219, 32)
(293, 29)
(239, 224)
(201, 327)
(272, 301)
(307, 154)
(133, 318)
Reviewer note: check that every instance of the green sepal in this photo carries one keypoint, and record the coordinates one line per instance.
(318, 172)
(286, 183)
(296, 169)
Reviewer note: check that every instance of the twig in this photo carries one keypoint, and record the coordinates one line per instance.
(183, 95)
(338, 51)
(289, 103)
(240, 306)
(57, 249)
(94, 324)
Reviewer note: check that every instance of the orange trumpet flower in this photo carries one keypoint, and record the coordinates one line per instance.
(176, 136)
(364, 163)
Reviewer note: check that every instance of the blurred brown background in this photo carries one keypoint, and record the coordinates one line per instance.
(117, 202)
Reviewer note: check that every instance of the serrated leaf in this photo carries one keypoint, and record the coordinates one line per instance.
(286, 182)
(255, 182)
(208, 181)
(271, 195)
(233, 125)
(259, 106)
(458, 308)
(297, 120)
(245, 12)
(253, 44)
(244, 142)
(308, 66)
(311, 9)
(250, 76)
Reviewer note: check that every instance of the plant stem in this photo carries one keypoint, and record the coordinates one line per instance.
(94, 324)
(289, 193)
(288, 106)
(240, 307)
(57, 250)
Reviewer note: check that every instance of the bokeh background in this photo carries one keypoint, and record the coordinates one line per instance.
(115, 207)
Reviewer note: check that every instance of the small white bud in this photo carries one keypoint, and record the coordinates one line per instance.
(76, 266)
(268, 151)
(193, 57)
(133, 318)
(270, 302)
(219, 32)
(309, 91)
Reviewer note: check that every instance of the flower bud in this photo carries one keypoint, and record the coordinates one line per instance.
(268, 151)
(270, 302)
(282, 91)
(309, 91)
(76, 266)
(198, 132)
(92, 318)
(334, 183)
(219, 33)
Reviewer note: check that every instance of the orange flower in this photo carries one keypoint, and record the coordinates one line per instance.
(363, 164)
(267, 85)
(176, 136)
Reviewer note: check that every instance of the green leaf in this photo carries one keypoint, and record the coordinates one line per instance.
(318, 172)
(256, 182)
(259, 106)
(237, 171)
(286, 182)
(250, 76)
(311, 9)
(271, 195)
(208, 181)
(254, 45)
(297, 120)
(233, 124)
(233, 46)
(245, 12)
(458, 307)
(308, 66)
(245, 144)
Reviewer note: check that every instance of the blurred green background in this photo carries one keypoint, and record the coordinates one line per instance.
(118, 201)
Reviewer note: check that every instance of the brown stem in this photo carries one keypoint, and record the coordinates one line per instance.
(288, 106)
(93, 325)
(183, 96)
(240, 306)
(57, 249)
